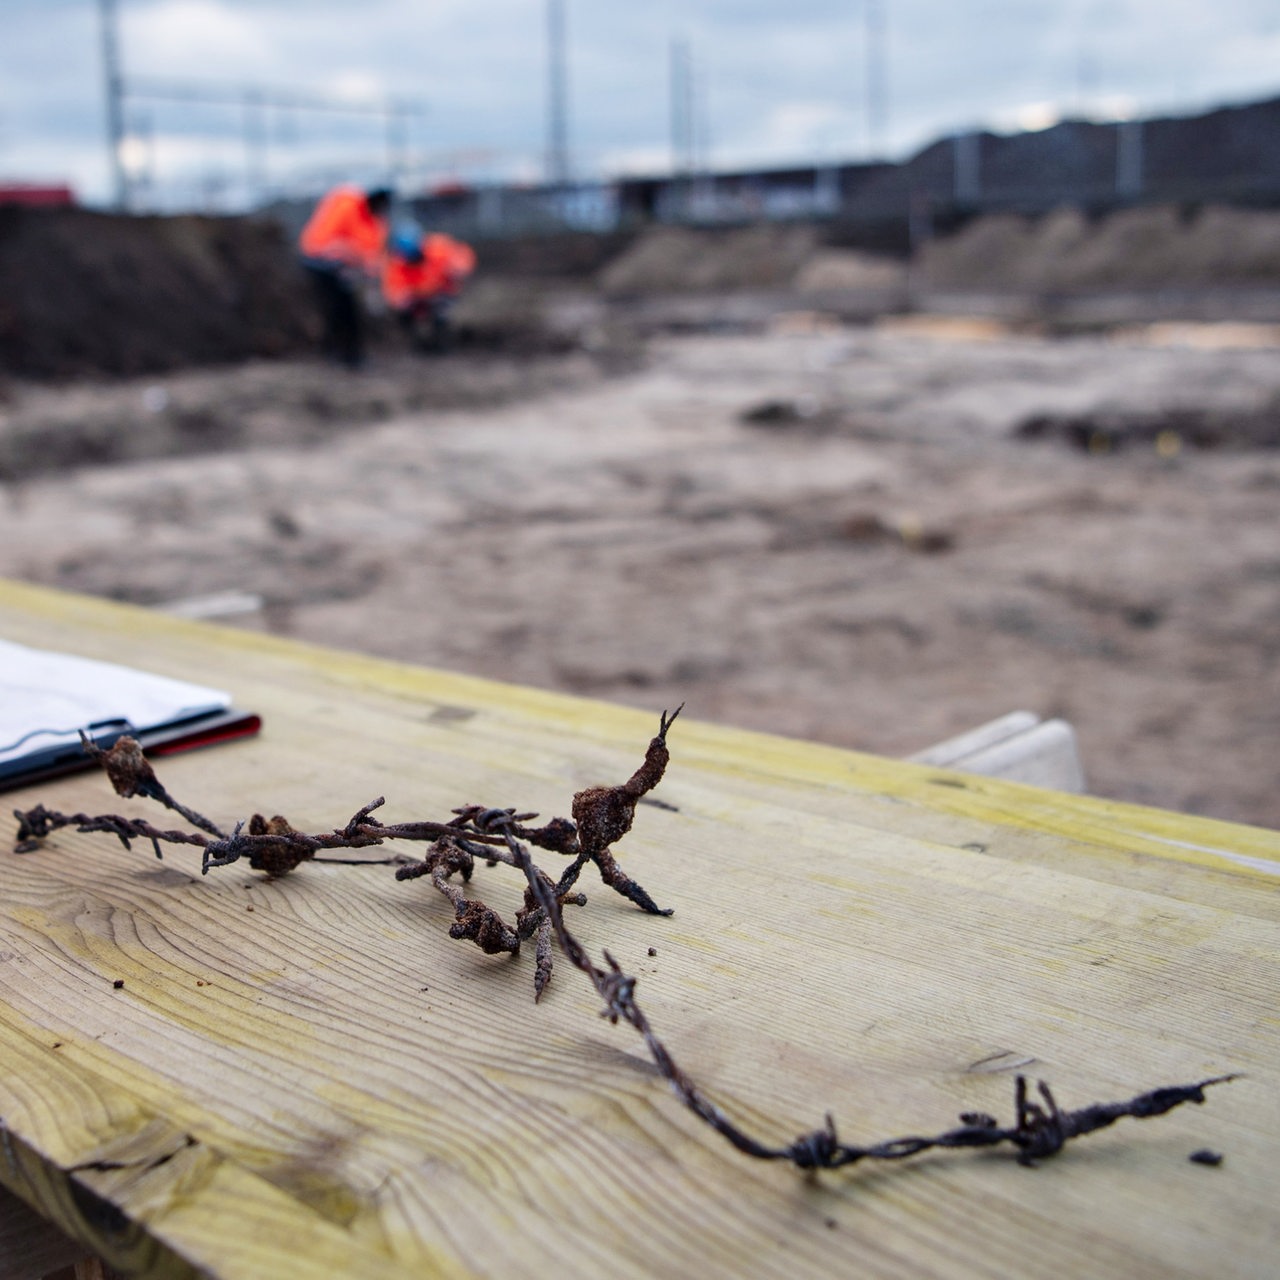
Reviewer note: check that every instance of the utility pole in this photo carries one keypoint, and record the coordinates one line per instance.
(255, 146)
(1129, 163)
(115, 104)
(1086, 79)
(683, 128)
(557, 97)
(701, 100)
(877, 78)
(683, 122)
(397, 139)
(966, 155)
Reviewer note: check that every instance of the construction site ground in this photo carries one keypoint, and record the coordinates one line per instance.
(871, 534)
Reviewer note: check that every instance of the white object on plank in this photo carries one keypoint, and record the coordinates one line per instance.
(1019, 747)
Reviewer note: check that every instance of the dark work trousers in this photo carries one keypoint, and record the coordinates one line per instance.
(343, 329)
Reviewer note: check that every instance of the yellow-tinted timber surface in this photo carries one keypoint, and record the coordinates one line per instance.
(308, 1077)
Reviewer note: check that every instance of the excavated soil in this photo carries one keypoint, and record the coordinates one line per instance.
(874, 535)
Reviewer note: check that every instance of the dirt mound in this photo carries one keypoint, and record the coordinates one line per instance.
(84, 292)
(684, 260)
(1062, 253)
(1144, 248)
(831, 270)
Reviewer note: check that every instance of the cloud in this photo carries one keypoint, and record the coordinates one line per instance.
(635, 161)
(192, 38)
(773, 82)
(811, 129)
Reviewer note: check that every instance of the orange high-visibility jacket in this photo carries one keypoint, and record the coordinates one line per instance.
(445, 264)
(344, 229)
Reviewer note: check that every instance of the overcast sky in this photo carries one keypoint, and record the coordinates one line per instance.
(775, 81)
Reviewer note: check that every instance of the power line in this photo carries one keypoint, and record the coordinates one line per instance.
(256, 100)
(291, 99)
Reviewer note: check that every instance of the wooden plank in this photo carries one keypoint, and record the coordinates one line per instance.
(313, 1067)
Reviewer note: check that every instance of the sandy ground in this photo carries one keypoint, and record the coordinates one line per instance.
(874, 562)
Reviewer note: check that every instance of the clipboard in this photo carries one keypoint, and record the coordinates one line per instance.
(48, 699)
(164, 740)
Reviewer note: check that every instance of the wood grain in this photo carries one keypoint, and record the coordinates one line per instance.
(308, 1077)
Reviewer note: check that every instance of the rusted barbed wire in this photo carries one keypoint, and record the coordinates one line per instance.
(601, 816)
(1038, 1131)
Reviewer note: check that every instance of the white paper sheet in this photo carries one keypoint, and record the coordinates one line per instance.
(46, 698)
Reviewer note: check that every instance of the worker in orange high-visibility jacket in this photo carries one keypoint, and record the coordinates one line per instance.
(422, 276)
(344, 241)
